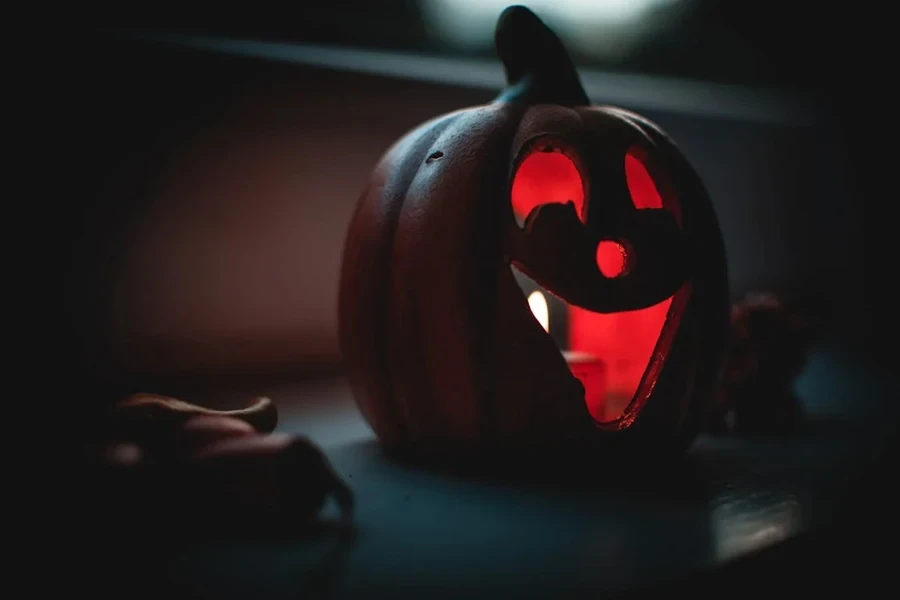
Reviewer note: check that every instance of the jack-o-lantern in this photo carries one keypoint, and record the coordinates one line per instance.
(596, 206)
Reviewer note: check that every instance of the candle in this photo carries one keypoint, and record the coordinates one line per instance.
(587, 368)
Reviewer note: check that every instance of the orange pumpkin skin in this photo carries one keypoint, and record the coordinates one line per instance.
(440, 346)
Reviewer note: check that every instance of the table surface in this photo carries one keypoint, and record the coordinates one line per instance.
(423, 532)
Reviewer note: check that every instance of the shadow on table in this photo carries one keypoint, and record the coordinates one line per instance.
(820, 444)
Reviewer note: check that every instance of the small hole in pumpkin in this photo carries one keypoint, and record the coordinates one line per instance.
(614, 258)
(435, 156)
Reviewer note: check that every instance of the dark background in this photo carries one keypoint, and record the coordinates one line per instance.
(785, 44)
(208, 194)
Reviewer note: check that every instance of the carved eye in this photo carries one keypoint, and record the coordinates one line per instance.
(547, 174)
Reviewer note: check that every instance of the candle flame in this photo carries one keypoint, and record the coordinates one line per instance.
(538, 305)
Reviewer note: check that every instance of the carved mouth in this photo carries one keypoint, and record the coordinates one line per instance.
(608, 353)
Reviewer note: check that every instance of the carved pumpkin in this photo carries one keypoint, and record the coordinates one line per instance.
(596, 205)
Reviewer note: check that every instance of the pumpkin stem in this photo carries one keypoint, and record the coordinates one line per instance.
(538, 68)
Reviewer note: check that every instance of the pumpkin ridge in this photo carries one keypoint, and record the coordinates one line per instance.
(436, 275)
(409, 159)
(411, 167)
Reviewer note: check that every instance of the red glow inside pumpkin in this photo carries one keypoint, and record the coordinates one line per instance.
(625, 341)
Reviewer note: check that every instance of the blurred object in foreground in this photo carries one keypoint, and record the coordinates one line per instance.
(596, 28)
(209, 471)
(770, 341)
(141, 417)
